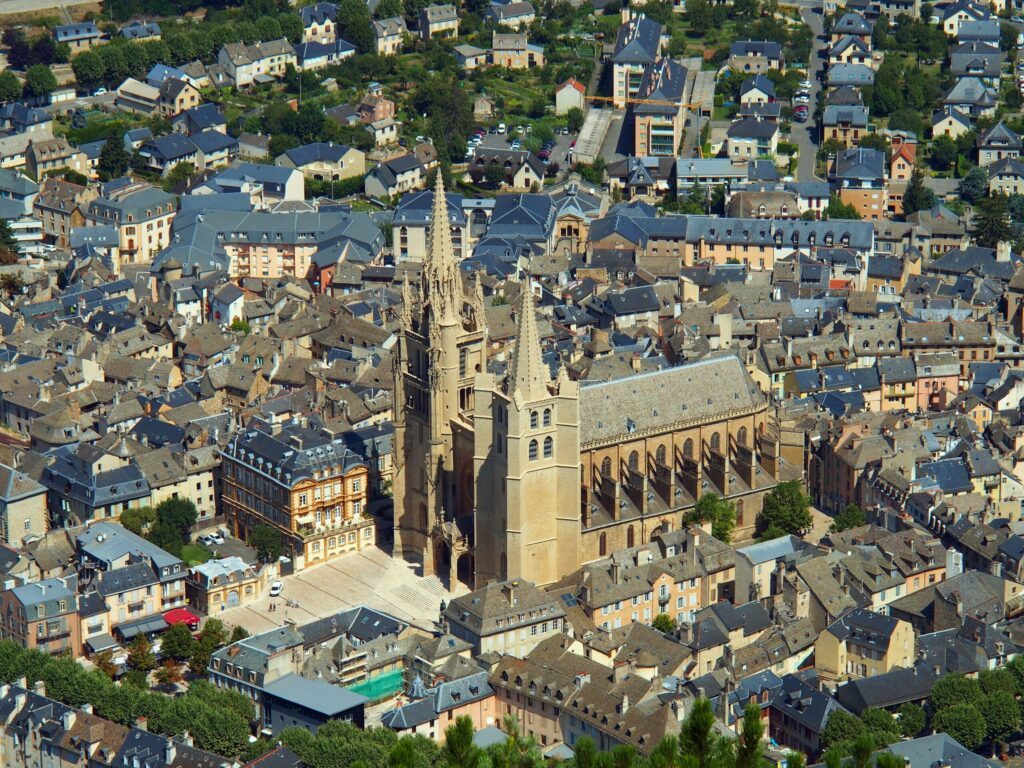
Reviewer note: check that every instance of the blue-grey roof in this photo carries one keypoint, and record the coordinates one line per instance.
(322, 697)
(83, 30)
(173, 146)
(279, 459)
(637, 41)
(44, 592)
(531, 216)
(760, 83)
(861, 164)
(140, 29)
(213, 141)
(773, 549)
(939, 749)
(317, 152)
(108, 542)
(766, 48)
(950, 475)
(850, 74)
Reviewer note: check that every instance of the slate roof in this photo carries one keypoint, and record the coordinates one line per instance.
(317, 695)
(637, 41)
(708, 386)
(766, 48)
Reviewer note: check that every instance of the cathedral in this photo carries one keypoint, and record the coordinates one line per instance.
(529, 474)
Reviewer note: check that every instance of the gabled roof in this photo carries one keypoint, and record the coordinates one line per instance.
(760, 83)
(637, 41)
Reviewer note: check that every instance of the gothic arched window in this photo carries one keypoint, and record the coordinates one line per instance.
(688, 448)
(533, 450)
(606, 467)
(547, 417)
(549, 447)
(660, 455)
(634, 461)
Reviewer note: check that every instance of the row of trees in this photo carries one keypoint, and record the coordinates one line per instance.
(218, 720)
(119, 59)
(23, 53)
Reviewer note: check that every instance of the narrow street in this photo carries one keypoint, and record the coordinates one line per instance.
(805, 135)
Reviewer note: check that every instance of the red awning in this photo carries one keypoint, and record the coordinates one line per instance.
(181, 616)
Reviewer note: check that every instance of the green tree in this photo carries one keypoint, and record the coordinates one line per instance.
(698, 741)
(1002, 679)
(917, 197)
(7, 241)
(10, 86)
(974, 185)
(837, 209)
(954, 690)
(459, 750)
(140, 654)
(664, 623)
(213, 634)
(862, 749)
(138, 519)
(356, 25)
(991, 223)
(177, 642)
(39, 81)
(238, 633)
(944, 152)
(889, 760)
(963, 722)
(850, 517)
(89, 70)
(240, 325)
(574, 119)
(267, 543)
(494, 174)
(912, 720)
(717, 511)
(750, 744)
(785, 509)
(387, 9)
(291, 26)
(1001, 713)
(665, 753)
(841, 728)
(115, 160)
(179, 174)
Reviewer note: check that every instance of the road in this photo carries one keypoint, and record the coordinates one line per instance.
(805, 135)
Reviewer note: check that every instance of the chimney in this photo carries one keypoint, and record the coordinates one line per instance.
(142, 723)
(169, 752)
(1003, 251)
(39, 687)
(624, 706)
(186, 739)
(87, 708)
(67, 719)
(616, 571)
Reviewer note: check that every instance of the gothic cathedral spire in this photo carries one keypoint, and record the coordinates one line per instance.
(441, 280)
(528, 375)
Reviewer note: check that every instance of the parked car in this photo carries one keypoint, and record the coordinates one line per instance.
(1017, 20)
(276, 587)
(218, 538)
(502, 128)
(208, 541)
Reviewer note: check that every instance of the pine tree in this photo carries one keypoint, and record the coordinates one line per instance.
(917, 196)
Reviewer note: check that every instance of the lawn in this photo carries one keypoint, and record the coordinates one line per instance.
(194, 554)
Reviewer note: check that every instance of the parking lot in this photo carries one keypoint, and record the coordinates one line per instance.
(558, 155)
(370, 577)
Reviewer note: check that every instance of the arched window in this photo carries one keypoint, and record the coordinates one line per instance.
(533, 419)
(547, 417)
(533, 450)
(660, 454)
(634, 461)
(688, 448)
(741, 436)
(606, 467)
(602, 545)
(549, 447)
(739, 512)
(630, 537)
(716, 442)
